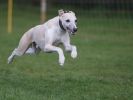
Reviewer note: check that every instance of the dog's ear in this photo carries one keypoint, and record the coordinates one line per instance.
(60, 12)
(71, 12)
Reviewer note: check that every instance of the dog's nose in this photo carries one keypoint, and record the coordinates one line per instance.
(75, 29)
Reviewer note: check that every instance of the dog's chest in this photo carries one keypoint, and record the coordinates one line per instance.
(57, 39)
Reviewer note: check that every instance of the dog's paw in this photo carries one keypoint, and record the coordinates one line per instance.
(9, 60)
(74, 55)
(61, 61)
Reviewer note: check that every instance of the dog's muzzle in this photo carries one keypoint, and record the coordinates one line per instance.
(75, 30)
(72, 31)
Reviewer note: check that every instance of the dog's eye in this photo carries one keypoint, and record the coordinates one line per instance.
(67, 20)
(76, 20)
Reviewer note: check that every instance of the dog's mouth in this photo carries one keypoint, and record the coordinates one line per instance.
(70, 31)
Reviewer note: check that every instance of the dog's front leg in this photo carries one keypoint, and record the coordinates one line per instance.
(72, 49)
(51, 48)
(69, 47)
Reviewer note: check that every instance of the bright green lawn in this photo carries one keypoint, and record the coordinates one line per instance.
(102, 71)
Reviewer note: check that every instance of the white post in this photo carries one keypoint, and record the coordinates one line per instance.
(43, 10)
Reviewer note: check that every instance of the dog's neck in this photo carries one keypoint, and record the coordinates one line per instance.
(61, 26)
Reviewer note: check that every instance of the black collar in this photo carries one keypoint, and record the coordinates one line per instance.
(61, 26)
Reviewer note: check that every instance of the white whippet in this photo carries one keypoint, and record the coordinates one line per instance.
(47, 36)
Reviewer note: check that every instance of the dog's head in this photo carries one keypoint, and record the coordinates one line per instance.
(68, 21)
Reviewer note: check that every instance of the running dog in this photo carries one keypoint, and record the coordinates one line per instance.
(48, 36)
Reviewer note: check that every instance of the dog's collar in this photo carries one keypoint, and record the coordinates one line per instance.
(61, 26)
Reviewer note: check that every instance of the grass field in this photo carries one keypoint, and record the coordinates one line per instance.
(102, 71)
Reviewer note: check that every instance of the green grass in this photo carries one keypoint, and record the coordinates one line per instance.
(102, 71)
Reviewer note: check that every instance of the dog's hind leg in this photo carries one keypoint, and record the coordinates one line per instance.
(14, 53)
(33, 49)
(22, 47)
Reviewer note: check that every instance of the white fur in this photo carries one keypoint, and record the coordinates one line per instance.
(47, 37)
